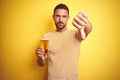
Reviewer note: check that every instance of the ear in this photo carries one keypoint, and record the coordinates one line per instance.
(68, 17)
(53, 15)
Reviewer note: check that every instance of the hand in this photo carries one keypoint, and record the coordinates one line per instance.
(80, 21)
(40, 52)
(41, 58)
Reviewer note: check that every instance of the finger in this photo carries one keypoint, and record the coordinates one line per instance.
(76, 24)
(39, 53)
(81, 17)
(84, 14)
(39, 48)
(79, 21)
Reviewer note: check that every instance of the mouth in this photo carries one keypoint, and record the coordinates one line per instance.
(60, 23)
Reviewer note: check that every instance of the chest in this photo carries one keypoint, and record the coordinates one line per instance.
(60, 42)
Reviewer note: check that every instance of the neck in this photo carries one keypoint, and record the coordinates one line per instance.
(61, 30)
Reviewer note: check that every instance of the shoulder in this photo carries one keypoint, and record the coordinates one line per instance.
(48, 34)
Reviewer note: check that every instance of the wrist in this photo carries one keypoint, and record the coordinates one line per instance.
(41, 57)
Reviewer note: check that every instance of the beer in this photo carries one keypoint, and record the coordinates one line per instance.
(44, 44)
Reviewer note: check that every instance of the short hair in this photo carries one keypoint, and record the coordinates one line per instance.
(61, 6)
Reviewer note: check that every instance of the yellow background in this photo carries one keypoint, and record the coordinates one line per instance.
(23, 22)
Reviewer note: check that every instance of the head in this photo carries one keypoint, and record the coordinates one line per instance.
(61, 16)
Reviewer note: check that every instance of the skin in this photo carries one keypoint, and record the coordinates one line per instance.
(60, 18)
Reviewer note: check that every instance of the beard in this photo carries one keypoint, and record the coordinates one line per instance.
(60, 25)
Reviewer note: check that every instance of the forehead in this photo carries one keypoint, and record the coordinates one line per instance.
(61, 11)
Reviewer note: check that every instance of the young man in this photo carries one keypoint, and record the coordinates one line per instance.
(64, 45)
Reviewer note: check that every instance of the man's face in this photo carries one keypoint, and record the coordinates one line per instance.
(60, 18)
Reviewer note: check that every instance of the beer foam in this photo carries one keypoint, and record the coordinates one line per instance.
(43, 38)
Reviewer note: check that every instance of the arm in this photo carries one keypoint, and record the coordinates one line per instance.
(40, 56)
(84, 27)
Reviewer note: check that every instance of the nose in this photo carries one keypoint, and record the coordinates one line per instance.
(60, 19)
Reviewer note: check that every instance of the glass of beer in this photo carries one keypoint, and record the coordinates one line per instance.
(44, 45)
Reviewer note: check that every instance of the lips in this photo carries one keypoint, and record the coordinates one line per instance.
(60, 23)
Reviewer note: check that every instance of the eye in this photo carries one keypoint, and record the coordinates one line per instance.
(64, 16)
(57, 16)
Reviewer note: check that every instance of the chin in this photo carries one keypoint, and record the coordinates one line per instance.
(60, 27)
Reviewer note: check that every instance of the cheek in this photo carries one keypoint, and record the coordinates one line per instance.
(55, 20)
(66, 21)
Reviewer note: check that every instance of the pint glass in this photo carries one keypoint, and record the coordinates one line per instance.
(44, 44)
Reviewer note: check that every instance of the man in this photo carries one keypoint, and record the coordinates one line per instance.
(64, 45)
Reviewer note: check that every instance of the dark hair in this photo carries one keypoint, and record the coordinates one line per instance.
(61, 6)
